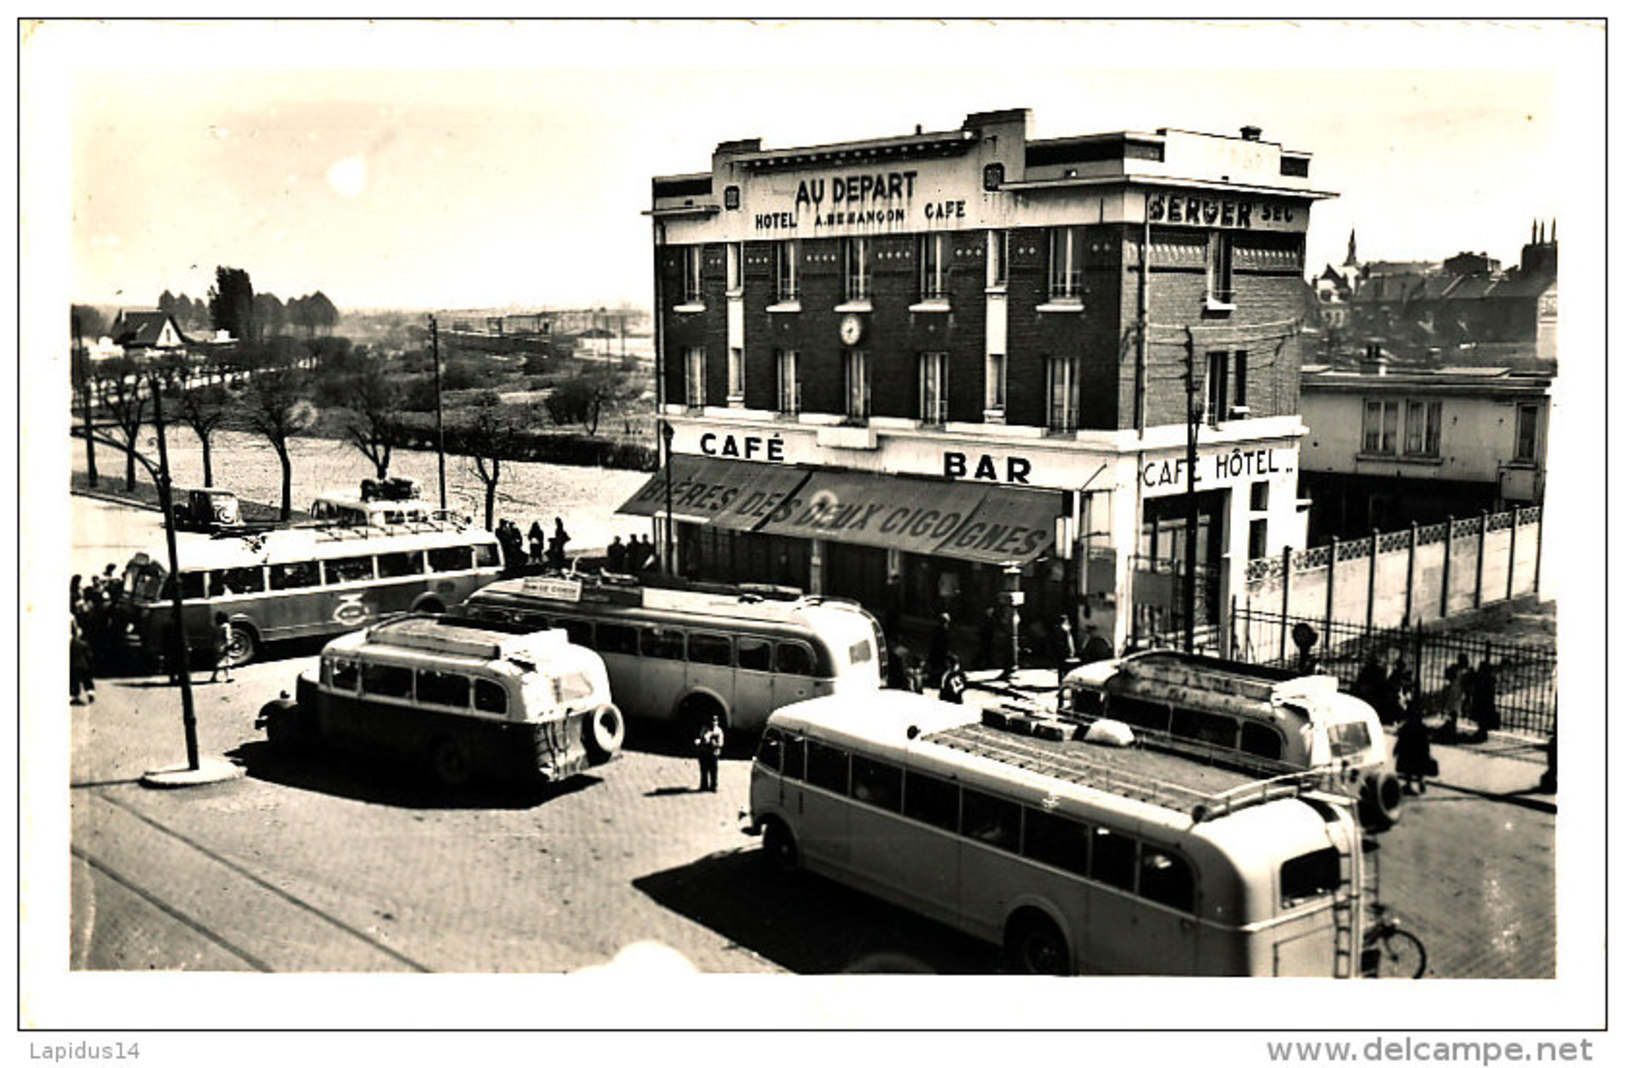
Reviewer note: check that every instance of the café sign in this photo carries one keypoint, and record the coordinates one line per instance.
(1217, 469)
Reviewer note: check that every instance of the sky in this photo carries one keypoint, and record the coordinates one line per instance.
(439, 165)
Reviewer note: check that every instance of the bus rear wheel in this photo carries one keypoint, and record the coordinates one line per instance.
(603, 733)
(1035, 946)
(779, 846)
(448, 758)
(1380, 798)
(244, 645)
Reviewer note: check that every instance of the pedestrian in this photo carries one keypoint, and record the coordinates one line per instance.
(1095, 647)
(1413, 753)
(561, 538)
(897, 667)
(936, 657)
(708, 747)
(536, 540)
(1485, 714)
(1458, 677)
(1063, 649)
(222, 647)
(953, 685)
(616, 556)
(80, 677)
(648, 548)
(1369, 683)
(1401, 687)
(916, 675)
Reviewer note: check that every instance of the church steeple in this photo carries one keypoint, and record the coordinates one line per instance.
(1351, 260)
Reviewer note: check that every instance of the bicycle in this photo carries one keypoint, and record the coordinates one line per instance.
(1388, 951)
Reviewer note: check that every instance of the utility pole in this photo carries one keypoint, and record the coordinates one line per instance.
(439, 410)
(81, 360)
(1191, 413)
(177, 646)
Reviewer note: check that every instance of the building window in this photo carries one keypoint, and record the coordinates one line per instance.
(736, 374)
(857, 268)
(1218, 387)
(933, 271)
(1063, 393)
(788, 270)
(1221, 250)
(693, 262)
(856, 365)
(934, 388)
(1260, 497)
(998, 258)
(1258, 531)
(1524, 446)
(995, 382)
(1422, 421)
(694, 383)
(1238, 391)
(1381, 427)
(736, 276)
(789, 383)
(1066, 264)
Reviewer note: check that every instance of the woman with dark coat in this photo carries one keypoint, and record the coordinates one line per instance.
(1413, 753)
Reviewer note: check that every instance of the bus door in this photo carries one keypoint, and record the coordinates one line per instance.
(1146, 924)
(662, 673)
(823, 835)
(753, 679)
(794, 666)
(711, 667)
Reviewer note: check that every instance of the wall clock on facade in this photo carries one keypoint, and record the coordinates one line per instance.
(851, 330)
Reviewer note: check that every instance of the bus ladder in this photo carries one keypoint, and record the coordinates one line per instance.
(1345, 911)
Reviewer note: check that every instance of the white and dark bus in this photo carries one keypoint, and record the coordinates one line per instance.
(686, 655)
(304, 582)
(1074, 856)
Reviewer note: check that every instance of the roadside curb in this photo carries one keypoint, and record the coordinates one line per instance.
(113, 498)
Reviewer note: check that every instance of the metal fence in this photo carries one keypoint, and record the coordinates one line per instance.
(1525, 674)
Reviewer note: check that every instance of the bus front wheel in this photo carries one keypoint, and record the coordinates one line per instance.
(243, 646)
(1035, 946)
(449, 760)
(605, 731)
(779, 846)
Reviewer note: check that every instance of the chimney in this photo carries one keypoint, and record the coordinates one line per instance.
(1251, 133)
(1375, 361)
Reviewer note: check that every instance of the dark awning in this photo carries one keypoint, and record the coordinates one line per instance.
(987, 524)
(735, 494)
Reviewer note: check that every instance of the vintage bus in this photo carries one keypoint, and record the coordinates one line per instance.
(304, 582)
(1269, 712)
(1073, 856)
(685, 655)
(463, 701)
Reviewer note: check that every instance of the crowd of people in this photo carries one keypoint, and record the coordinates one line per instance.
(534, 551)
(93, 631)
(942, 669)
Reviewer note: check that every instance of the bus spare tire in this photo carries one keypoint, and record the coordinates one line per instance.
(284, 728)
(603, 733)
(1380, 798)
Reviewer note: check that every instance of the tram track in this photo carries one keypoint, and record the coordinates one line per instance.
(296, 934)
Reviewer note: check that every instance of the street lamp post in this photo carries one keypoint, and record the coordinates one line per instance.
(166, 501)
(439, 410)
(666, 434)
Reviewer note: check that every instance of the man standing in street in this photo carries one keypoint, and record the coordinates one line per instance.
(708, 747)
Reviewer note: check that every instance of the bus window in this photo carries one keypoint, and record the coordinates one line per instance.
(442, 688)
(348, 569)
(795, 758)
(795, 658)
(877, 784)
(861, 652)
(191, 587)
(1139, 713)
(1205, 727)
(579, 632)
(295, 575)
(710, 649)
(396, 565)
(992, 820)
(618, 638)
(932, 801)
(770, 753)
(345, 675)
(1052, 839)
(572, 687)
(1167, 879)
(826, 766)
(1309, 876)
(485, 555)
(451, 558)
(230, 580)
(1262, 740)
(1111, 859)
(755, 654)
(663, 643)
(1349, 739)
(386, 680)
(490, 697)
